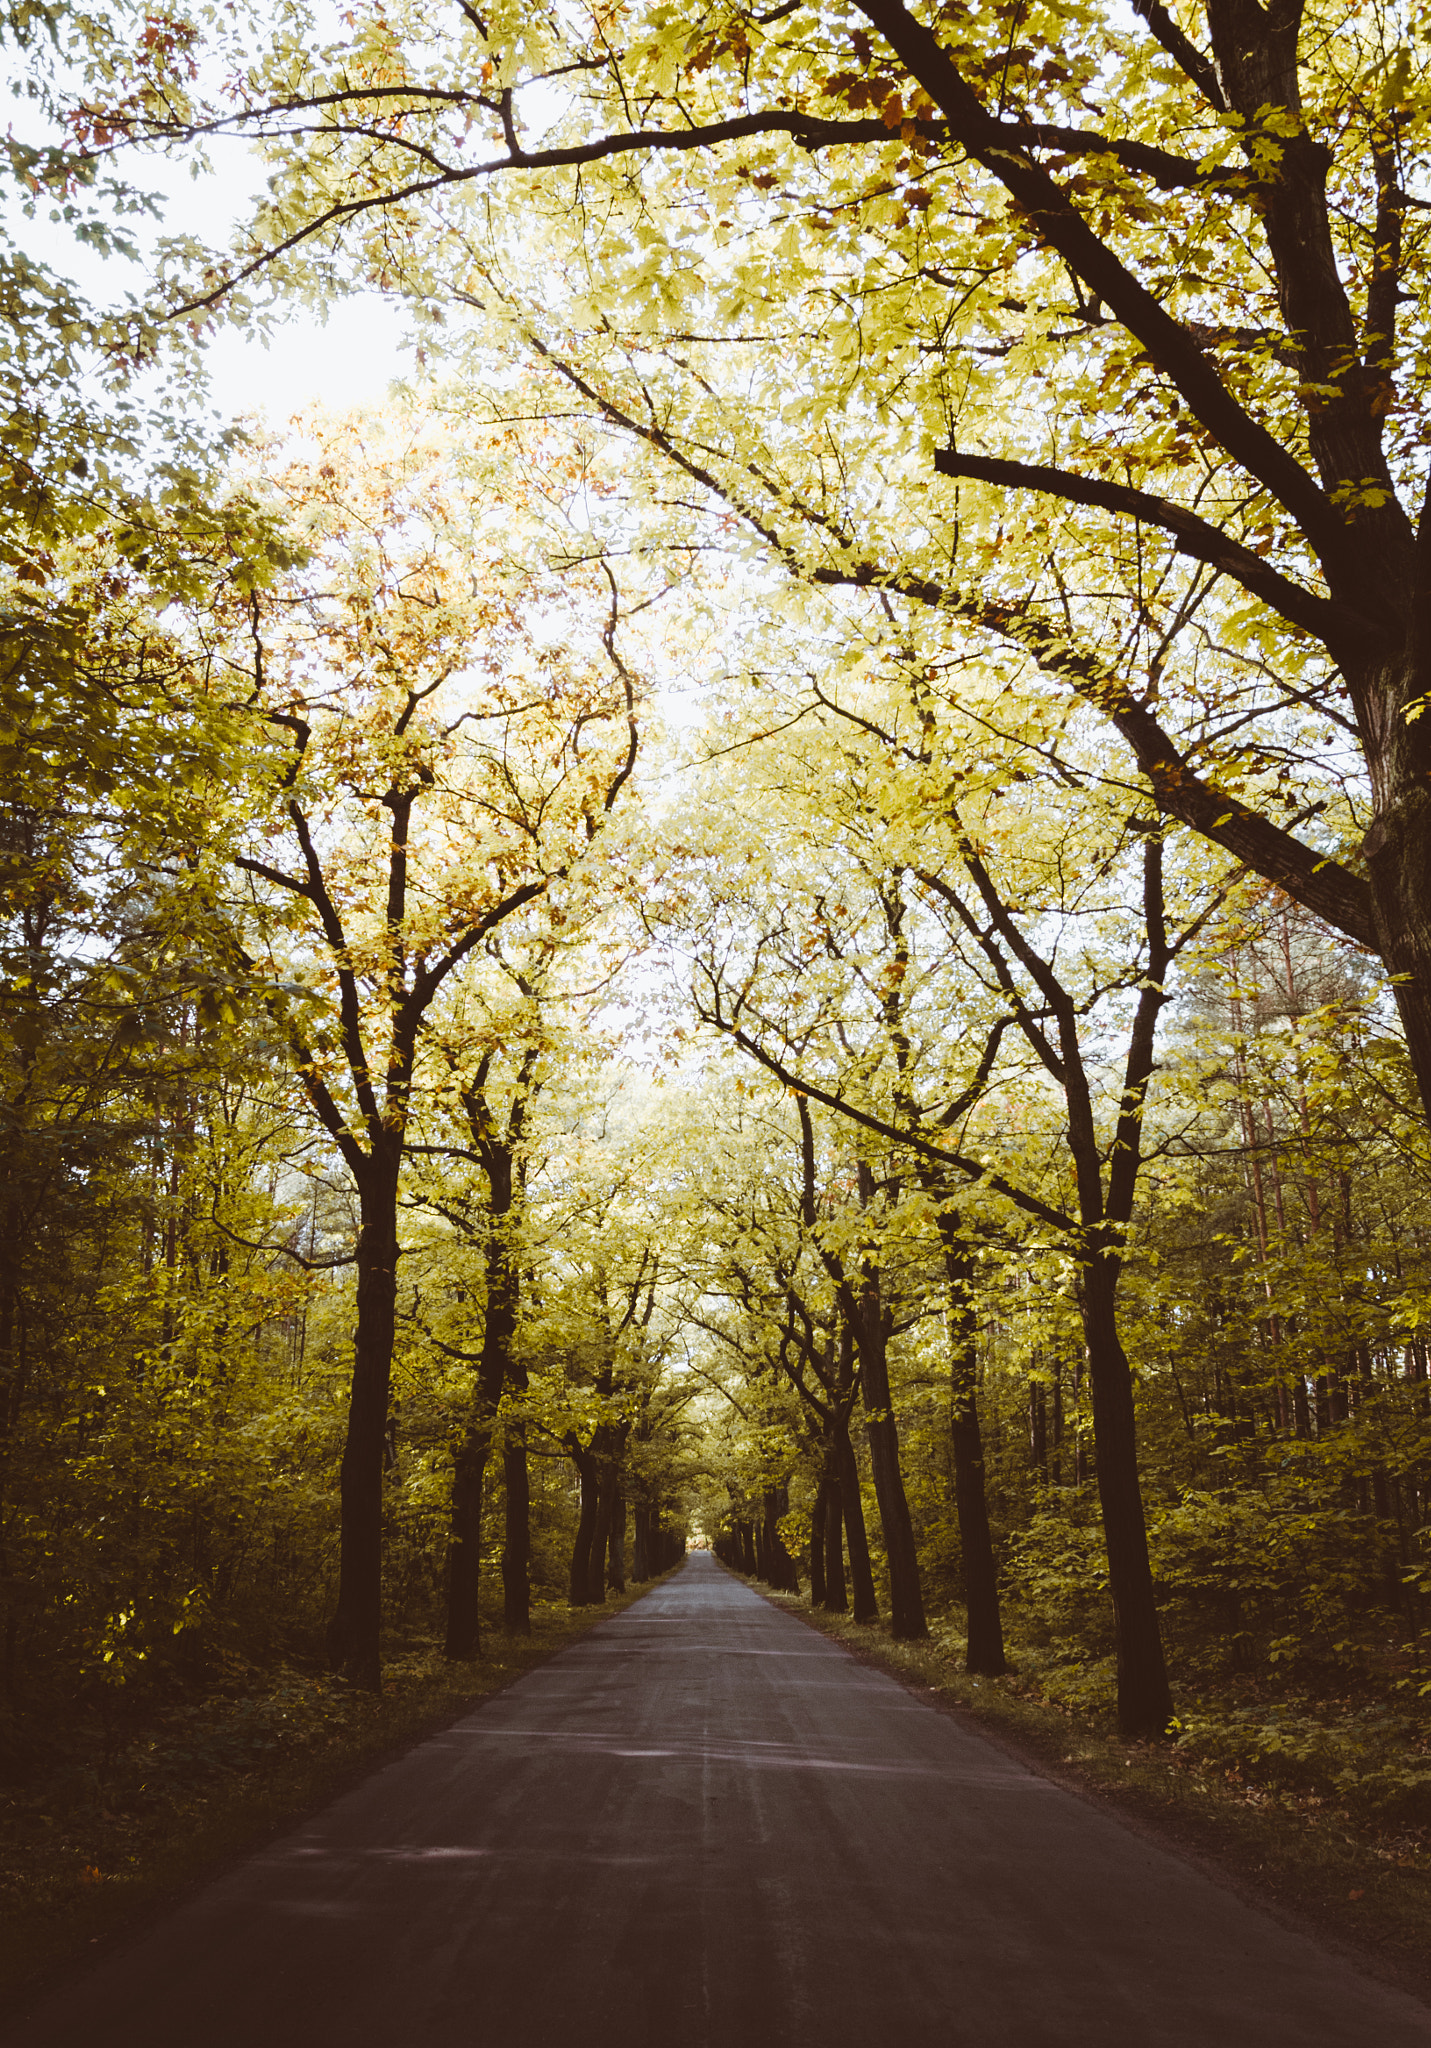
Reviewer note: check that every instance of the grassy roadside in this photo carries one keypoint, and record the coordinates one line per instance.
(1367, 1889)
(89, 1848)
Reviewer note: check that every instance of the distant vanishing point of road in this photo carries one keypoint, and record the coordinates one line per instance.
(706, 1826)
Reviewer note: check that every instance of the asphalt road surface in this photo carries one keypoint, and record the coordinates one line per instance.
(706, 1826)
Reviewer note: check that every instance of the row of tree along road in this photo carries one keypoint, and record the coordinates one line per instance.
(799, 898)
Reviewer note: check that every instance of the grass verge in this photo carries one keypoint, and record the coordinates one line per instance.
(89, 1849)
(1366, 1888)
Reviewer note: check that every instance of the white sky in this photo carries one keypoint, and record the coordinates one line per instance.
(349, 362)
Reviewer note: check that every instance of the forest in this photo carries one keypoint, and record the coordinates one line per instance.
(786, 904)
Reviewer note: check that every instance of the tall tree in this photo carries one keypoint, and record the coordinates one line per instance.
(435, 771)
(1196, 244)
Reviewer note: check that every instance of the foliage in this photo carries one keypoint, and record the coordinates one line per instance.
(965, 1045)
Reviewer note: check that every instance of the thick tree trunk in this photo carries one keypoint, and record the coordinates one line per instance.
(606, 1498)
(608, 1447)
(1398, 850)
(780, 1570)
(640, 1544)
(985, 1653)
(11, 1385)
(747, 1548)
(354, 1633)
(906, 1602)
(517, 1549)
(866, 1605)
(1145, 1705)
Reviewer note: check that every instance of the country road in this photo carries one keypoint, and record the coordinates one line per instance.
(706, 1826)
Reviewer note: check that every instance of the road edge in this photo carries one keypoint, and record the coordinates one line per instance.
(1205, 1841)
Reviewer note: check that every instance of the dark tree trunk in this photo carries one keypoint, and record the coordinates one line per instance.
(616, 1553)
(1145, 1704)
(836, 1600)
(780, 1572)
(1038, 1428)
(606, 1497)
(497, 1368)
(464, 1545)
(817, 1542)
(861, 1570)
(355, 1631)
(985, 1653)
(494, 1366)
(607, 1448)
(747, 1548)
(517, 1549)
(640, 1544)
(905, 1599)
(578, 1591)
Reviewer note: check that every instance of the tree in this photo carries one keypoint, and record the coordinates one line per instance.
(1195, 250)
(759, 1284)
(892, 992)
(433, 775)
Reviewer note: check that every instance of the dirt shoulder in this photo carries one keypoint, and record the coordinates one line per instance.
(99, 1843)
(1311, 1865)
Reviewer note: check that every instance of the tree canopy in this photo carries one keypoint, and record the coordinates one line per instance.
(787, 904)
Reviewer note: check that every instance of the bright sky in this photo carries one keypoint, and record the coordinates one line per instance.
(351, 361)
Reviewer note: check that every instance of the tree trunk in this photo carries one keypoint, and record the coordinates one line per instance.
(517, 1549)
(1398, 862)
(905, 1599)
(747, 1548)
(861, 1570)
(354, 1633)
(578, 1590)
(608, 1446)
(836, 1600)
(600, 1542)
(985, 1653)
(817, 1542)
(464, 1544)
(11, 1384)
(1145, 1705)
(780, 1569)
(616, 1553)
(494, 1366)
(640, 1544)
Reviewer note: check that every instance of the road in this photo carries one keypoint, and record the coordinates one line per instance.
(706, 1826)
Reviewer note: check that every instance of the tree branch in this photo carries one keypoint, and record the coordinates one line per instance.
(1337, 626)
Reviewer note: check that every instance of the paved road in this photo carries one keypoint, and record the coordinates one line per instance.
(705, 1826)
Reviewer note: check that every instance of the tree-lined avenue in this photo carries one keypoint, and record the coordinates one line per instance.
(702, 1824)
